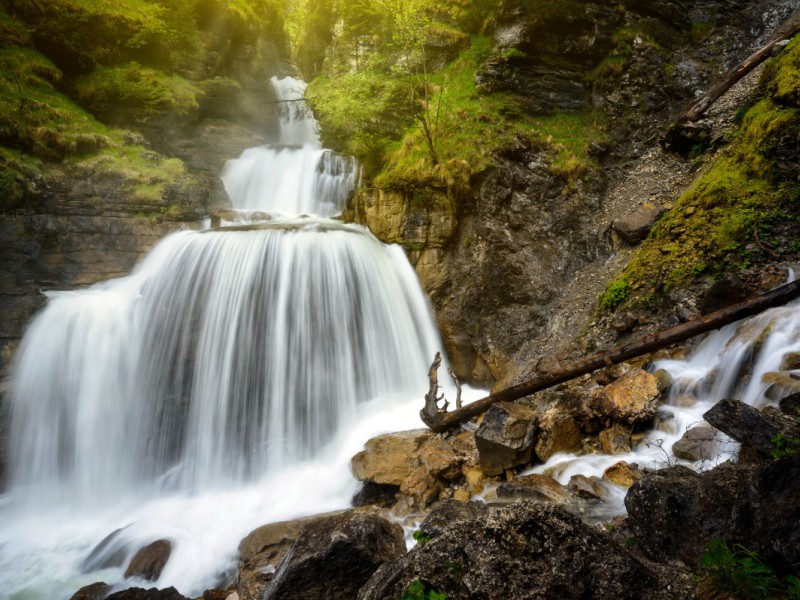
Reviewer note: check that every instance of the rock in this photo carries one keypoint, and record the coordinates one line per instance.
(391, 458)
(149, 561)
(782, 383)
(169, 593)
(93, 591)
(522, 551)
(110, 552)
(262, 550)
(416, 462)
(664, 380)
(622, 473)
(506, 437)
(673, 513)
(615, 440)
(376, 494)
(334, 557)
(766, 513)
(634, 227)
(698, 443)
(630, 399)
(790, 405)
(589, 488)
(447, 512)
(790, 362)
(750, 426)
(558, 432)
(539, 487)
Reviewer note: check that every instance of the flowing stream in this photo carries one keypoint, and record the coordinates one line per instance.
(224, 384)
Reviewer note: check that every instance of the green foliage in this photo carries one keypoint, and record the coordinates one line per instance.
(616, 293)
(140, 90)
(744, 574)
(785, 445)
(417, 590)
(420, 537)
(700, 31)
(783, 75)
(629, 542)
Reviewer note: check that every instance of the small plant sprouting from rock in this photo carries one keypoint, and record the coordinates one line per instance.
(420, 536)
(786, 445)
(616, 293)
(417, 590)
(629, 542)
(742, 573)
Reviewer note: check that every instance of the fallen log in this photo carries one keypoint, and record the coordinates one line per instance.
(681, 135)
(440, 420)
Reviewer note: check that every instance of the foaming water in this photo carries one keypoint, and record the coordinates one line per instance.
(296, 175)
(743, 360)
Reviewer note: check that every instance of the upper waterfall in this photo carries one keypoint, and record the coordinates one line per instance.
(295, 175)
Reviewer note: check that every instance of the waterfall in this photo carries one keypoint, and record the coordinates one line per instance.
(295, 176)
(224, 384)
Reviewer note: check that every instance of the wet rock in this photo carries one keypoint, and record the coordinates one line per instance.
(376, 494)
(790, 405)
(634, 227)
(631, 399)
(558, 432)
(751, 427)
(391, 458)
(623, 473)
(169, 593)
(615, 440)
(149, 561)
(262, 550)
(334, 557)
(674, 513)
(93, 591)
(766, 513)
(589, 488)
(698, 443)
(790, 362)
(110, 552)
(447, 512)
(506, 437)
(538, 487)
(522, 551)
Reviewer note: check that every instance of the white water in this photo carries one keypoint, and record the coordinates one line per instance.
(296, 175)
(729, 363)
(224, 384)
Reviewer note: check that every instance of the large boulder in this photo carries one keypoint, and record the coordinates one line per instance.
(263, 549)
(149, 561)
(416, 463)
(93, 591)
(634, 227)
(335, 556)
(506, 437)
(558, 432)
(631, 399)
(675, 512)
(757, 429)
(520, 551)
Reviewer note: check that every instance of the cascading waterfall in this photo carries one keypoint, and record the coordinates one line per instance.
(224, 384)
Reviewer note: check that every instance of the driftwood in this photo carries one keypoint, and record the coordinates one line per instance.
(439, 420)
(683, 134)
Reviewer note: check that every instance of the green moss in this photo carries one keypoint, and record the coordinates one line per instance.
(616, 293)
(137, 89)
(700, 31)
(783, 74)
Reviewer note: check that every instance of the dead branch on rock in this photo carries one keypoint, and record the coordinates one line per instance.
(452, 372)
(431, 410)
(440, 421)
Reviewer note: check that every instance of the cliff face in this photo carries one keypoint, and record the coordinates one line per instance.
(519, 265)
(114, 124)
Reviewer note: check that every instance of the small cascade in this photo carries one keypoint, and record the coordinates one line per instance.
(296, 175)
(756, 361)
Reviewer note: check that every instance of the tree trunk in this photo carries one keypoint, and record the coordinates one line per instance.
(442, 421)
